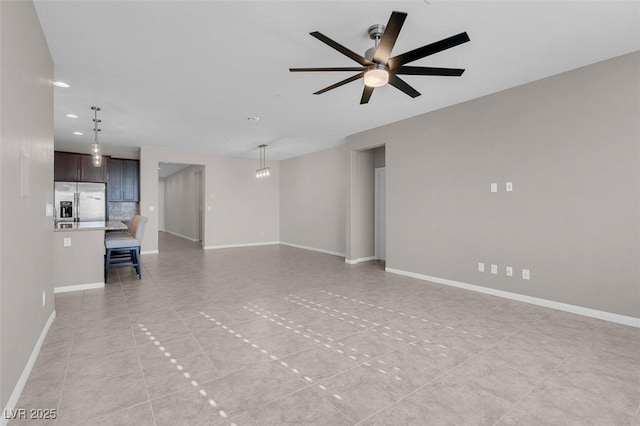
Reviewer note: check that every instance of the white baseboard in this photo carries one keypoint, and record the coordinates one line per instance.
(78, 287)
(358, 260)
(319, 250)
(22, 381)
(588, 312)
(150, 252)
(181, 236)
(268, 243)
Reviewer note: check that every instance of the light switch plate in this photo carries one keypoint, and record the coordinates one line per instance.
(480, 267)
(509, 186)
(509, 271)
(67, 242)
(152, 209)
(494, 187)
(525, 274)
(494, 269)
(48, 210)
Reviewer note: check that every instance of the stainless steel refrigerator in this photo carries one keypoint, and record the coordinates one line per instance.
(80, 201)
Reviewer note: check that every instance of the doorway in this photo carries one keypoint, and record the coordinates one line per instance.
(380, 221)
(366, 223)
(180, 203)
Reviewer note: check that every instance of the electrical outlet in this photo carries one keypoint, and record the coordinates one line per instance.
(44, 298)
(509, 271)
(480, 267)
(67, 242)
(494, 269)
(509, 186)
(152, 209)
(494, 187)
(525, 274)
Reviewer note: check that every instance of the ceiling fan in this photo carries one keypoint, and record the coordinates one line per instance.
(378, 68)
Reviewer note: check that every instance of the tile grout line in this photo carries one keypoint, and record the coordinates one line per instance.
(365, 320)
(331, 377)
(444, 373)
(210, 360)
(66, 372)
(375, 330)
(186, 374)
(537, 385)
(304, 378)
(144, 379)
(339, 351)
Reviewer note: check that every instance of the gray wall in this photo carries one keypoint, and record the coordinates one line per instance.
(180, 202)
(26, 124)
(244, 210)
(312, 200)
(569, 144)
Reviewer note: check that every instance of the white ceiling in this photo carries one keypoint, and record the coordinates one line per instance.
(186, 75)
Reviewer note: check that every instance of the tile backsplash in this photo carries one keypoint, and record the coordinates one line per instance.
(122, 210)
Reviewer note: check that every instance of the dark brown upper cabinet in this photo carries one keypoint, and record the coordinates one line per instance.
(73, 167)
(89, 173)
(66, 166)
(123, 183)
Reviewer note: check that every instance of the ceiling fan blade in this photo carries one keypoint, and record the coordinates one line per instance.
(429, 49)
(326, 69)
(340, 83)
(402, 85)
(389, 37)
(366, 94)
(449, 72)
(340, 48)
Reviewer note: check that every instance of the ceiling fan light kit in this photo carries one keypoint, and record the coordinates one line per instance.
(378, 68)
(377, 76)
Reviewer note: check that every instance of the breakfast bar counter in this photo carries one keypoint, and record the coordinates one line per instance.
(111, 225)
(78, 254)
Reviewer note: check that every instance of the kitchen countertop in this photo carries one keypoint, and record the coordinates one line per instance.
(111, 225)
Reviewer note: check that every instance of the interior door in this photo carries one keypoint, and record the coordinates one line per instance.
(199, 216)
(161, 205)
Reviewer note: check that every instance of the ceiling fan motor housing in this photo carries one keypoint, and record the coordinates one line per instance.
(375, 32)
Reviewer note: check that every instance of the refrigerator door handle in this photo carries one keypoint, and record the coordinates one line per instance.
(77, 203)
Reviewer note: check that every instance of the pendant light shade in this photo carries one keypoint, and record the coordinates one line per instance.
(263, 171)
(96, 151)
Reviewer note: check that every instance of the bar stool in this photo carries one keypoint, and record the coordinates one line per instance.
(123, 248)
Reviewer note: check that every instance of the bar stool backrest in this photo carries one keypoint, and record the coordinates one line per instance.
(137, 227)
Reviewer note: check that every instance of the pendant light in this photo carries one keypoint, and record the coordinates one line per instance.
(96, 152)
(263, 171)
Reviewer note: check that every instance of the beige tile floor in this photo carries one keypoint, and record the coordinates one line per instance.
(277, 335)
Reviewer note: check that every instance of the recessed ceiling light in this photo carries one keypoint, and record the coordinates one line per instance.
(71, 116)
(253, 119)
(60, 84)
(77, 133)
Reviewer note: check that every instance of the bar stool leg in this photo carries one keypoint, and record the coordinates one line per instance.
(107, 261)
(138, 270)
